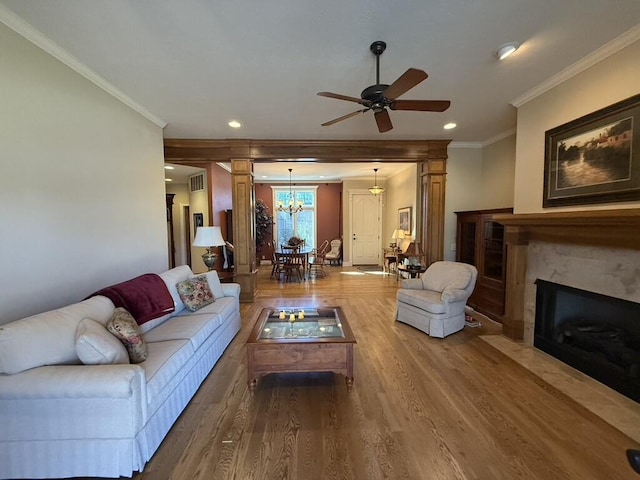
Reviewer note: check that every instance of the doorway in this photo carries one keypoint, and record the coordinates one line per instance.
(365, 228)
(186, 215)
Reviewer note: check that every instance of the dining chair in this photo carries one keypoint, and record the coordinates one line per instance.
(316, 265)
(294, 263)
(276, 261)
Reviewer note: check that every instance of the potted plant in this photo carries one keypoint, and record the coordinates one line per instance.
(264, 222)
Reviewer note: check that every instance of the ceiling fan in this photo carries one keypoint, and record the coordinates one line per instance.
(379, 96)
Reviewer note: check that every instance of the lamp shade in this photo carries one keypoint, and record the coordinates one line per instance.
(413, 249)
(398, 234)
(208, 237)
(376, 189)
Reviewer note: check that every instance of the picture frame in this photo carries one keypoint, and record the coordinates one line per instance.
(595, 158)
(404, 219)
(198, 221)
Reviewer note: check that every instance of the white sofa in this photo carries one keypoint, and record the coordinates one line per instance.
(66, 419)
(434, 303)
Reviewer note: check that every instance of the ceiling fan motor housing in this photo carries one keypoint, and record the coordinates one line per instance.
(375, 95)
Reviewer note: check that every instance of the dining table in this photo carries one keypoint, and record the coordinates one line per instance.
(286, 256)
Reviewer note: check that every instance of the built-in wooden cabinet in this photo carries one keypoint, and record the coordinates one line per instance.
(480, 242)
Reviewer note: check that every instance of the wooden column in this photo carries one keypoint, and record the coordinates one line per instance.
(244, 229)
(433, 174)
(513, 319)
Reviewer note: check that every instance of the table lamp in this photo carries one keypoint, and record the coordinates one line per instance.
(413, 254)
(208, 237)
(398, 234)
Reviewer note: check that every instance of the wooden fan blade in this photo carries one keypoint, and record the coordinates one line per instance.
(405, 82)
(421, 105)
(384, 121)
(344, 97)
(344, 117)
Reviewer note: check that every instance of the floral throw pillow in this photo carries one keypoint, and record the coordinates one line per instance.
(126, 329)
(195, 293)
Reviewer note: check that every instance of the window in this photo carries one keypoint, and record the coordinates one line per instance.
(301, 224)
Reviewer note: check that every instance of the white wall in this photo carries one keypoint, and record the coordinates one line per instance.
(464, 171)
(401, 192)
(81, 185)
(498, 174)
(199, 203)
(609, 81)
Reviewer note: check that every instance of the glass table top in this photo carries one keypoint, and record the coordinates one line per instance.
(287, 322)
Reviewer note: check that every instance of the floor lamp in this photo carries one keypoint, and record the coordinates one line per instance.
(209, 238)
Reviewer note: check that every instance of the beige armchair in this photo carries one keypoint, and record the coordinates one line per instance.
(434, 303)
(335, 254)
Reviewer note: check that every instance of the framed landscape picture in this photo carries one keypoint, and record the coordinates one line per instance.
(595, 158)
(404, 219)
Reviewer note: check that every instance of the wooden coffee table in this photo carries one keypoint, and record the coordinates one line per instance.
(322, 341)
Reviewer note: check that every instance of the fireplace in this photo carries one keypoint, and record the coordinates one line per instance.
(594, 333)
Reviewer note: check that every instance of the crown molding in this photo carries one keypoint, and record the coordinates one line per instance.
(608, 49)
(499, 137)
(23, 28)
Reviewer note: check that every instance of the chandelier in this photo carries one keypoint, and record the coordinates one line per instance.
(291, 208)
(376, 190)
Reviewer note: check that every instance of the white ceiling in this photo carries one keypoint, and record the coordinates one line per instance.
(196, 64)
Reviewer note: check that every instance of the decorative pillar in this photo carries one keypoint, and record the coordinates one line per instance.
(432, 177)
(517, 246)
(244, 228)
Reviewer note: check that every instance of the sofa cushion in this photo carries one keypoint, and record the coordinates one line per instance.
(442, 276)
(95, 345)
(171, 278)
(195, 327)
(48, 338)
(214, 284)
(195, 293)
(423, 299)
(124, 327)
(225, 307)
(168, 363)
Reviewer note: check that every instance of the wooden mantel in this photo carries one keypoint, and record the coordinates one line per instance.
(603, 228)
(607, 228)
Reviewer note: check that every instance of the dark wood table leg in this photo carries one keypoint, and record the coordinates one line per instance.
(349, 381)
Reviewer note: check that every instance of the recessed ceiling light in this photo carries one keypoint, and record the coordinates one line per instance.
(168, 180)
(507, 49)
(168, 167)
(234, 124)
(449, 126)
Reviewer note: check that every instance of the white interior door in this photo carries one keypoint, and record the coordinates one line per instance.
(365, 229)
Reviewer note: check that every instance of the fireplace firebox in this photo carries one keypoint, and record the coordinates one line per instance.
(596, 334)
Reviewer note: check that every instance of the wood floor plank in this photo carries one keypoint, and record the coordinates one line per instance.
(420, 407)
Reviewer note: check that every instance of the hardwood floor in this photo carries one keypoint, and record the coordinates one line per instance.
(420, 407)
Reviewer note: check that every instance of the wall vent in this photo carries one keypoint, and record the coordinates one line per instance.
(196, 183)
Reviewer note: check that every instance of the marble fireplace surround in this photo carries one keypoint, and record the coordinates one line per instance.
(596, 250)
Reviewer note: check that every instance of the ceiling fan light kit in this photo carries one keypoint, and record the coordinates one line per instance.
(376, 189)
(380, 96)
